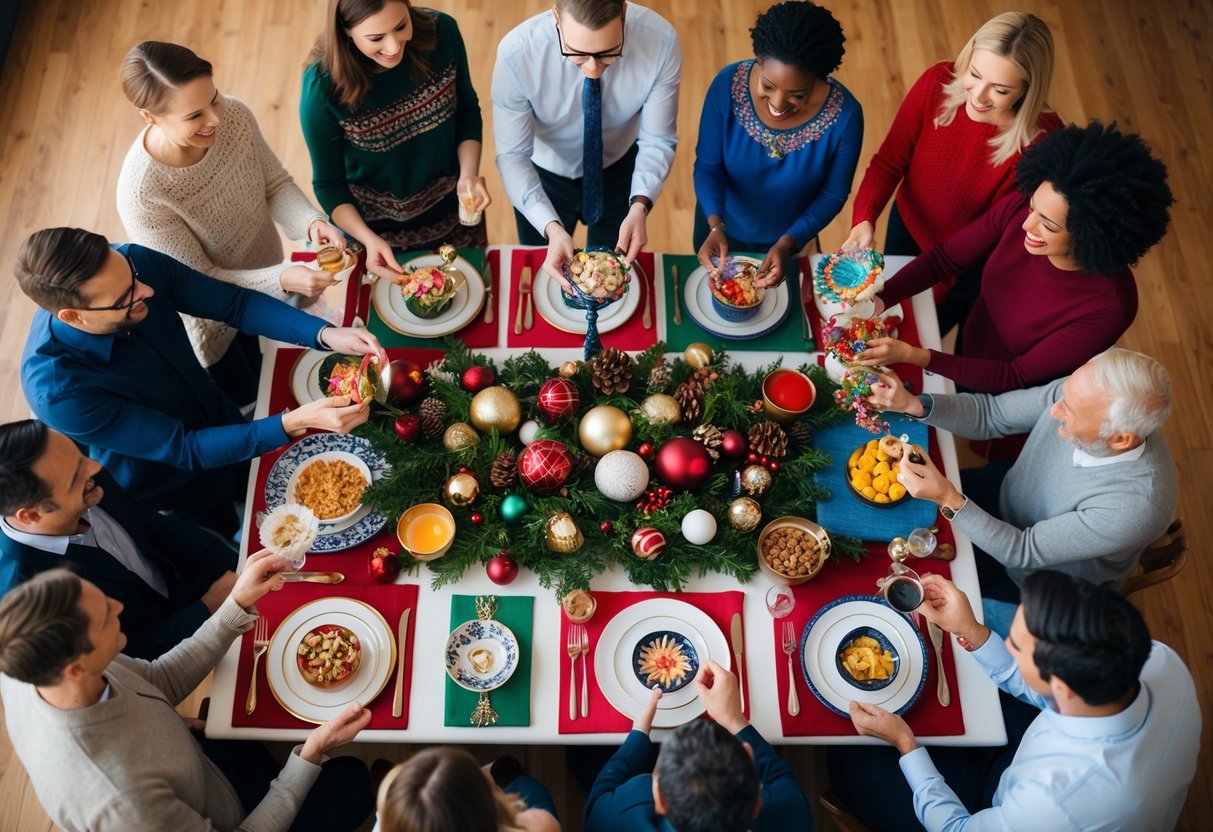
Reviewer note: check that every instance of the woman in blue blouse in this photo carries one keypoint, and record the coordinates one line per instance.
(778, 141)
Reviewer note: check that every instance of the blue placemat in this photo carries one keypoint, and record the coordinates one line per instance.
(843, 513)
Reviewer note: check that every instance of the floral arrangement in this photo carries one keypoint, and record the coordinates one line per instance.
(857, 383)
(847, 338)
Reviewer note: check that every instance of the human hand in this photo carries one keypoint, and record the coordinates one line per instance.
(477, 187)
(335, 414)
(771, 272)
(322, 233)
(354, 340)
(926, 482)
(260, 575)
(720, 692)
(219, 590)
(304, 280)
(875, 721)
(944, 604)
(644, 719)
(335, 733)
(890, 394)
(861, 236)
(560, 251)
(381, 260)
(633, 233)
(716, 244)
(885, 350)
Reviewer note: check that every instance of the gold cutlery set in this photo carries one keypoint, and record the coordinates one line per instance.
(578, 646)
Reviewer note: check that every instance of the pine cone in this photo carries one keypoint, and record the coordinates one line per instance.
(659, 379)
(581, 464)
(710, 437)
(800, 433)
(690, 395)
(705, 376)
(504, 471)
(768, 439)
(612, 371)
(433, 416)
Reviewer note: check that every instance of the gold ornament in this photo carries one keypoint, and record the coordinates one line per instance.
(459, 437)
(563, 534)
(697, 355)
(462, 490)
(568, 369)
(661, 409)
(744, 514)
(755, 480)
(496, 407)
(604, 429)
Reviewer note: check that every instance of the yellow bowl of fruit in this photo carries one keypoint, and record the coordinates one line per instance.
(872, 473)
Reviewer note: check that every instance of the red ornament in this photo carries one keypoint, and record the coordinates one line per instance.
(648, 543)
(734, 444)
(558, 399)
(502, 569)
(645, 450)
(751, 458)
(407, 426)
(406, 382)
(384, 566)
(477, 377)
(606, 526)
(683, 464)
(544, 465)
(773, 467)
(477, 518)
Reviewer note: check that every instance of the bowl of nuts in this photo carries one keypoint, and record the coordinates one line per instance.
(792, 550)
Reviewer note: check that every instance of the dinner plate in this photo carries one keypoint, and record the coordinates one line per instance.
(305, 377)
(464, 308)
(363, 524)
(613, 657)
(313, 704)
(328, 456)
(552, 308)
(697, 297)
(481, 655)
(824, 633)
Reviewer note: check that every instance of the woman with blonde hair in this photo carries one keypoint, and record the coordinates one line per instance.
(954, 144)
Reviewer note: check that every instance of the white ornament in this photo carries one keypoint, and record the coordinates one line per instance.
(698, 526)
(621, 476)
(527, 431)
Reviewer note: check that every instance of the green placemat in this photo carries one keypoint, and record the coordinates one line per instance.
(788, 337)
(389, 337)
(512, 701)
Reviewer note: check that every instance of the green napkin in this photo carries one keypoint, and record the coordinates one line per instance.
(787, 337)
(389, 337)
(512, 701)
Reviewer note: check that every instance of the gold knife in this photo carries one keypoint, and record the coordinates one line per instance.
(530, 301)
(739, 649)
(313, 577)
(522, 278)
(649, 285)
(677, 304)
(401, 639)
(487, 274)
(941, 691)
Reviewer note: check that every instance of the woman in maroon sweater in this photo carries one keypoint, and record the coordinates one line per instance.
(1056, 288)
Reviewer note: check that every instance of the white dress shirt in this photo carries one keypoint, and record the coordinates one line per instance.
(537, 116)
(1082, 459)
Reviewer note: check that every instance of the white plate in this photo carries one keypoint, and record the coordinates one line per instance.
(329, 456)
(465, 306)
(697, 296)
(613, 657)
(305, 379)
(821, 638)
(313, 704)
(492, 636)
(553, 309)
(626, 672)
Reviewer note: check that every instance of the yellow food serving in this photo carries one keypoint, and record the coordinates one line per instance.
(873, 474)
(864, 659)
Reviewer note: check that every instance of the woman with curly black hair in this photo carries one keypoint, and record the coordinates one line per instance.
(1056, 288)
(779, 140)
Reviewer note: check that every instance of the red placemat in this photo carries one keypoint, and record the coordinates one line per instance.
(630, 336)
(357, 296)
(603, 718)
(281, 397)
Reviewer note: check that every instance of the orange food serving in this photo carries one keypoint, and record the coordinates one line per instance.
(330, 488)
(328, 655)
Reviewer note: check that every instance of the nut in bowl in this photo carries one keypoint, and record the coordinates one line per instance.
(792, 550)
(328, 656)
(597, 276)
(872, 472)
(735, 293)
(867, 659)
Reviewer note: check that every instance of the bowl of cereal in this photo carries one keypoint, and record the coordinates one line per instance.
(331, 484)
(792, 550)
(866, 659)
(736, 295)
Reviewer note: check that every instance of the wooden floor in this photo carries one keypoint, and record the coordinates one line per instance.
(65, 127)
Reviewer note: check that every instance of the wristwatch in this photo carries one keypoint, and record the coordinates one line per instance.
(950, 513)
(645, 203)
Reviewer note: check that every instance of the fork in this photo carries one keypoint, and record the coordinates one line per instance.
(789, 646)
(574, 648)
(585, 651)
(261, 643)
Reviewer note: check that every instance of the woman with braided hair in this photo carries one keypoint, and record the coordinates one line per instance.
(779, 140)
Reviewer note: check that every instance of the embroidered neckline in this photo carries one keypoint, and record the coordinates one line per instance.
(780, 142)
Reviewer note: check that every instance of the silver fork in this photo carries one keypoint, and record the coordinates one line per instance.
(585, 651)
(574, 648)
(261, 643)
(789, 647)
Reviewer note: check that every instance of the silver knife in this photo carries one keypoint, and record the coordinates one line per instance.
(313, 577)
(487, 274)
(942, 691)
(401, 639)
(739, 649)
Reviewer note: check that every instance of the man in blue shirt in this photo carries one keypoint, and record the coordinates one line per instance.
(108, 363)
(1114, 745)
(711, 776)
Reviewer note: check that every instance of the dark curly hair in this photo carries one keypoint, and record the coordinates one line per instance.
(800, 34)
(706, 778)
(1116, 192)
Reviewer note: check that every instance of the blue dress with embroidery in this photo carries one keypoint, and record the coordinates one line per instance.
(766, 182)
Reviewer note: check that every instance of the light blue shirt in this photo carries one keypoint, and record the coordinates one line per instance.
(1127, 771)
(537, 117)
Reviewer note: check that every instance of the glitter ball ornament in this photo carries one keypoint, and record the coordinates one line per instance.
(462, 490)
(683, 464)
(476, 378)
(558, 399)
(459, 437)
(697, 355)
(501, 569)
(384, 566)
(562, 534)
(734, 444)
(661, 409)
(755, 480)
(544, 465)
(621, 476)
(407, 426)
(698, 526)
(496, 408)
(604, 429)
(513, 507)
(406, 382)
(744, 514)
(648, 543)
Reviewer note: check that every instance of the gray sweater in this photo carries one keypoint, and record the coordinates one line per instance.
(130, 763)
(1089, 522)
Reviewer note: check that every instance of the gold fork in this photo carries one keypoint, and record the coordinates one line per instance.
(261, 643)
(574, 648)
(789, 647)
(585, 651)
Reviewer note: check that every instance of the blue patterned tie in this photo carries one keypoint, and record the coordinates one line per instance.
(591, 162)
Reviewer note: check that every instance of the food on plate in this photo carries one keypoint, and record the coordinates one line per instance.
(791, 551)
(872, 471)
(598, 274)
(328, 655)
(330, 488)
(866, 660)
(664, 661)
(331, 259)
(289, 530)
(354, 376)
(735, 285)
(579, 606)
(428, 290)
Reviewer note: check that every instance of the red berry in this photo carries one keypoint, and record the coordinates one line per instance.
(606, 527)
(477, 518)
(751, 458)
(773, 467)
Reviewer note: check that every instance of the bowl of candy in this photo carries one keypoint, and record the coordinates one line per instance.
(736, 295)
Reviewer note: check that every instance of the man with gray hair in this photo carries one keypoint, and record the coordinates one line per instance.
(1094, 485)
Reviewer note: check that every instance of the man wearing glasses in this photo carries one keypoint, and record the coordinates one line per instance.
(584, 118)
(108, 363)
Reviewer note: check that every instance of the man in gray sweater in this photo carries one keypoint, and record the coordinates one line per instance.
(1094, 485)
(101, 740)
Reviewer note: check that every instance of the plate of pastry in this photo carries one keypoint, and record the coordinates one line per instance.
(403, 314)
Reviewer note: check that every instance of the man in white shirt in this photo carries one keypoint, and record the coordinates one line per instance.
(1114, 746)
(585, 100)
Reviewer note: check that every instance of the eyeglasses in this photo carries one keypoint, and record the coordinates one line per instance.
(605, 58)
(127, 301)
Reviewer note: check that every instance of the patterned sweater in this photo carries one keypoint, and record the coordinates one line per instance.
(217, 216)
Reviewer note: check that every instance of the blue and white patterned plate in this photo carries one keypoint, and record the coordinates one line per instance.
(481, 655)
(679, 641)
(364, 523)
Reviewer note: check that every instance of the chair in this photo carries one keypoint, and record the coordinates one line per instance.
(842, 818)
(1160, 561)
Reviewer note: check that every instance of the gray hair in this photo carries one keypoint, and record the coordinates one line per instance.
(1140, 389)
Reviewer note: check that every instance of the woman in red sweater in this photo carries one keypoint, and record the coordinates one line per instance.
(954, 143)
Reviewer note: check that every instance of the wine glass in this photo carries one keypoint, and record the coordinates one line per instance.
(780, 601)
(921, 542)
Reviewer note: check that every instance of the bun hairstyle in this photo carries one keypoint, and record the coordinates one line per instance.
(154, 70)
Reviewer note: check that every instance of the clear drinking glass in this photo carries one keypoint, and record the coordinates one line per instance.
(468, 215)
(921, 542)
(902, 588)
(780, 601)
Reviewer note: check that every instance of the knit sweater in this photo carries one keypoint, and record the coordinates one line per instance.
(129, 763)
(217, 216)
(1092, 522)
(946, 175)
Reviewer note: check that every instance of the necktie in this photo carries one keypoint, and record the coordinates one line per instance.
(591, 163)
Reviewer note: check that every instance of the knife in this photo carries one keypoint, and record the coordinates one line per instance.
(487, 274)
(521, 302)
(530, 302)
(677, 305)
(945, 695)
(401, 636)
(650, 286)
(739, 649)
(313, 577)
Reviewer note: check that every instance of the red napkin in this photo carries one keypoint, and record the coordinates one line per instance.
(281, 396)
(603, 718)
(630, 336)
(357, 296)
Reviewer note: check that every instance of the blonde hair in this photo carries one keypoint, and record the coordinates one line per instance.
(1024, 40)
(444, 788)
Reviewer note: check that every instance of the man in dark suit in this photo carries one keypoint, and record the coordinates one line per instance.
(60, 508)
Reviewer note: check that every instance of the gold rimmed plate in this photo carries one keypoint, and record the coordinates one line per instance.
(552, 308)
(463, 309)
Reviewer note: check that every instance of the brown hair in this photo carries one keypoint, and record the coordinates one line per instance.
(42, 628)
(52, 265)
(352, 73)
(444, 790)
(593, 14)
(153, 70)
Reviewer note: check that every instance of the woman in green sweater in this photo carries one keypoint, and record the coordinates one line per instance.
(393, 127)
